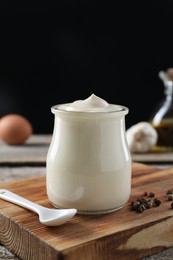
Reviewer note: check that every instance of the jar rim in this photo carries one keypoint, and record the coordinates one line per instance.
(122, 110)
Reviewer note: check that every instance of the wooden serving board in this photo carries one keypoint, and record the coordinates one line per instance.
(124, 234)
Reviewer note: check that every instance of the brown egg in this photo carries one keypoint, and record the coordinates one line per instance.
(15, 129)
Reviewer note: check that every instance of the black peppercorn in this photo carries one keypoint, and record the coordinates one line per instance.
(142, 200)
(169, 192)
(170, 196)
(157, 202)
(151, 194)
(140, 208)
(150, 203)
(135, 205)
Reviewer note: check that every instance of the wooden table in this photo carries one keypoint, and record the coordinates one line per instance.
(19, 163)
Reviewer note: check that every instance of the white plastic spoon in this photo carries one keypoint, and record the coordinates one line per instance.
(49, 217)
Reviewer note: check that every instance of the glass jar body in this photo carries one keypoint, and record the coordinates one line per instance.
(88, 162)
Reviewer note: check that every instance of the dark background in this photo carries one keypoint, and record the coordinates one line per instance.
(51, 55)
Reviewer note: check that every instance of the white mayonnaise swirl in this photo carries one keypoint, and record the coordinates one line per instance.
(90, 104)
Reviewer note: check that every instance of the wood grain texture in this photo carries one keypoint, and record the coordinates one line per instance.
(119, 235)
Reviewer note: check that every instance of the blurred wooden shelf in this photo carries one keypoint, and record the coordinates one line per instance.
(32, 152)
(153, 157)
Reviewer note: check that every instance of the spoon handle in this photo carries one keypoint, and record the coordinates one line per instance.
(16, 199)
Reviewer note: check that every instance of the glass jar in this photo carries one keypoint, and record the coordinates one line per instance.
(88, 162)
(162, 118)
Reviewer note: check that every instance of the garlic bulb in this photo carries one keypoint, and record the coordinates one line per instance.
(141, 137)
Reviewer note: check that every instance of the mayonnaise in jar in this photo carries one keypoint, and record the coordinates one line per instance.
(88, 164)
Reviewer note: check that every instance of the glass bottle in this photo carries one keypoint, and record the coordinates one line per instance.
(88, 161)
(162, 118)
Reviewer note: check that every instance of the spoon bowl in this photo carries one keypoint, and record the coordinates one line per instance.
(48, 217)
